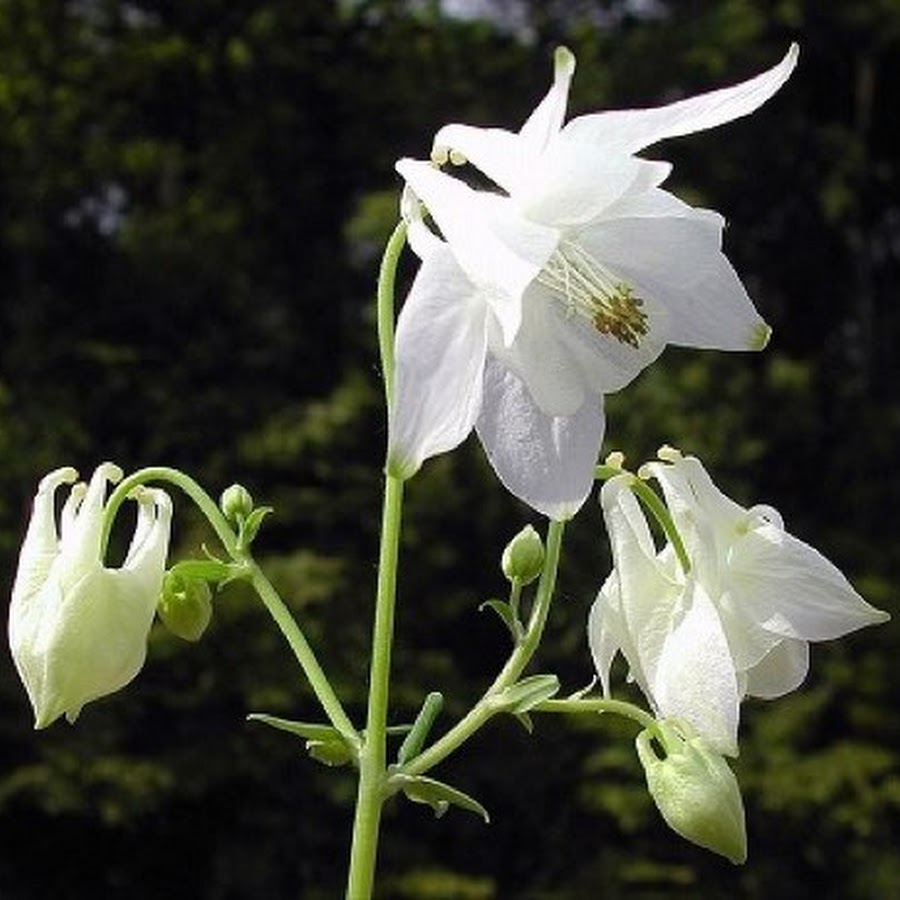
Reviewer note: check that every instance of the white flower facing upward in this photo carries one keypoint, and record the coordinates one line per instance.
(738, 623)
(77, 629)
(536, 299)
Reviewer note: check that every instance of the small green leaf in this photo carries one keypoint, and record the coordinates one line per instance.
(439, 796)
(311, 731)
(525, 721)
(202, 570)
(250, 526)
(507, 616)
(523, 696)
(330, 752)
(324, 743)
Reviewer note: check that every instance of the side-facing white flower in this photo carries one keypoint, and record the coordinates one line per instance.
(77, 629)
(738, 623)
(540, 297)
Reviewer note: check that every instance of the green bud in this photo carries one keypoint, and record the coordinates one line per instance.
(185, 606)
(694, 789)
(523, 558)
(236, 503)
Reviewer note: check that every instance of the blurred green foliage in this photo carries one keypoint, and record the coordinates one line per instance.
(193, 197)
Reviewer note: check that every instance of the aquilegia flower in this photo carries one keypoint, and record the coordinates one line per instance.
(738, 623)
(561, 286)
(77, 629)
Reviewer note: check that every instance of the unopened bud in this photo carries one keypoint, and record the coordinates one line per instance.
(694, 789)
(185, 606)
(236, 503)
(523, 558)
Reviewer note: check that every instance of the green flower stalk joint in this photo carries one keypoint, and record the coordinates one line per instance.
(694, 789)
(77, 629)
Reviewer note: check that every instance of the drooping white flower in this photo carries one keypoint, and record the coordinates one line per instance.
(738, 623)
(77, 629)
(540, 297)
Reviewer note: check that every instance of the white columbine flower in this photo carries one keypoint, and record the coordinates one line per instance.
(540, 297)
(738, 623)
(77, 629)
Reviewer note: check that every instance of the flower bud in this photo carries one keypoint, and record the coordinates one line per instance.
(236, 503)
(694, 789)
(523, 558)
(185, 606)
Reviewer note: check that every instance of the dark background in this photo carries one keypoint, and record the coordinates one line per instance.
(193, 201)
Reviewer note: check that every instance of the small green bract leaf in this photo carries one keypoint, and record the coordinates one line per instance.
(439, 796)
(324, 743)
(331, 752)
(250, 526)
(523, 696)
(507, 616)
(202, 570)
(311, 731)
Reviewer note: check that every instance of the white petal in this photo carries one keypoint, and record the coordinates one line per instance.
(501, 155)
(695, 678)
(546, 461)
(41, 542)
(630, 130)
(546, 120)
(791, 590)
(780, 671)
(648, 595)
(572, 183)
(606, 629)
(654, 202)
(499, 251)
(146, 557)
(440, 351)
(422, 240)
(540, 357)
(676, 262)
(707, 519)
(80, 543)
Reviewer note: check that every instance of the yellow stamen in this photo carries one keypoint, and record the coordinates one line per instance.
(590, 290)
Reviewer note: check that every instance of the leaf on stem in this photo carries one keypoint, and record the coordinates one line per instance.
(250, 526)
(524, 695)
(507, 616)
(324, 743)
(439, 796)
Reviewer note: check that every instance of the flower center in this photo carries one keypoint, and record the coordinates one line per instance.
(590, 290)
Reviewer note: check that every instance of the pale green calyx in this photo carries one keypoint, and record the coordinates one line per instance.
(77, 629)
(185, 606)
(694, 789)
(523, 557)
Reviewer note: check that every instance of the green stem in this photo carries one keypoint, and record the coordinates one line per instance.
(372, 790)
(267, 593)
(485, 708)
(597, 705)
(204, 502)
(385, 306)
(304, 654)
